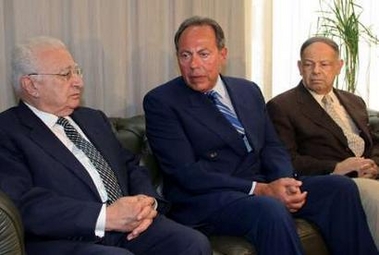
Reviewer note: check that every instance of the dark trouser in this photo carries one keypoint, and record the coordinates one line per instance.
(163, 237)
(333, 204)
(264, 221)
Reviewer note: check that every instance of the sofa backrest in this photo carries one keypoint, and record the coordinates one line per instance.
(132, 135)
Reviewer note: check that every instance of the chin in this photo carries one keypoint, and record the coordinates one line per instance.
(319, 89)
(74, 102)
(200, 87)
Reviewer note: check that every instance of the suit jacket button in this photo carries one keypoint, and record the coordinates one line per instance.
(213, 155)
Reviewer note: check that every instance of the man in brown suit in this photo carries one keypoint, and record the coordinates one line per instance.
(319, 142)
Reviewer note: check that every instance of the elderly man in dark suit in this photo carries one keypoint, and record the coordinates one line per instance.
(79, 192)
(325, 138)
(225, 170)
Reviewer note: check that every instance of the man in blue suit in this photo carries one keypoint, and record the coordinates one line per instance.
(231, 175)
(62, 192)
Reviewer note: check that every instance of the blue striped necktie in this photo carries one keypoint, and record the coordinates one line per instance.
(107, 175)
(224, 109)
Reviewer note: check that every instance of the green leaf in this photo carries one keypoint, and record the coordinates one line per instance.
(339, 20)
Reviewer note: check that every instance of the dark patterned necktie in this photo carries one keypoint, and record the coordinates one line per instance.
(228, 113)
(107, 175)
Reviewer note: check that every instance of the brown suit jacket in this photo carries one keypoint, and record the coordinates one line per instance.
(316, 143)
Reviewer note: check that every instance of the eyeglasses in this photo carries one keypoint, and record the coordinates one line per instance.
(66, 75)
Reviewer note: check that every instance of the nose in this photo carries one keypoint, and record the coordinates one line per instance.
(77, 80)
(316, 68)
(195, 60)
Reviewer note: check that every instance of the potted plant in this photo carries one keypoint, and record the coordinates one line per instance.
(339, 20)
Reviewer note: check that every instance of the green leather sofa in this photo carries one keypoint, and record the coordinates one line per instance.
(131, 132)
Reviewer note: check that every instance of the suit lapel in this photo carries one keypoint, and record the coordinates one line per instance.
(95, 134)
(247, 116)
(315, 113)
(356, 114)
(207, 113)
(48, 142)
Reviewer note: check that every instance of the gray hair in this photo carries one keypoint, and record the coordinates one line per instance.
(24, 59)
(201, 21)
(321, 39)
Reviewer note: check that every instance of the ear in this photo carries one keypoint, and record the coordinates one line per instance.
(299, 67)
(224, 54)
(340, 64)
(28, 86)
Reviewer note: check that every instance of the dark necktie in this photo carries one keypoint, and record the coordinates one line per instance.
(355, 142)
(228, 113)
(107, 175)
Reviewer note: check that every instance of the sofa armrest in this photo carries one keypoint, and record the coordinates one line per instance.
(11, 228)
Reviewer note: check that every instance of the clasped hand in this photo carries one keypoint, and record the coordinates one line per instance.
(132, 214)
(365, 168)
(286, 190)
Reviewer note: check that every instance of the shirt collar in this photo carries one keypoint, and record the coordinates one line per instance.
(319, 97)
(220, 87)
(49, 119)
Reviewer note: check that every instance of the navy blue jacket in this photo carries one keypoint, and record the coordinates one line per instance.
(204, 159)
(55, 194)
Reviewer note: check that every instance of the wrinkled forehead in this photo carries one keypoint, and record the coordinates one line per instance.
(319, 51)
(54, 59)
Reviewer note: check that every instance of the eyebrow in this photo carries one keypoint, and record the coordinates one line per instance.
(319, 61)
(67, 68)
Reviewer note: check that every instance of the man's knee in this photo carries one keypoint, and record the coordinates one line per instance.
(270, 206)
(60, 247)
(330, 184)
(197, 243)
(368, 188)
(185, 240)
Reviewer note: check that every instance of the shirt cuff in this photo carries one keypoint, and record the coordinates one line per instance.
(252, 188)
(100, 223)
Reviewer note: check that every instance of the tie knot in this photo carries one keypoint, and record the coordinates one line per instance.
(327, 100)
(213, 95)
(63, 122)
